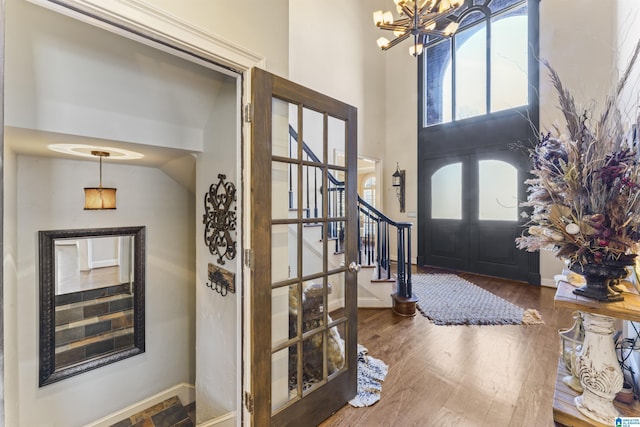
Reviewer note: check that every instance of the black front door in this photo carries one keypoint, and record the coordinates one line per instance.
(469, 215)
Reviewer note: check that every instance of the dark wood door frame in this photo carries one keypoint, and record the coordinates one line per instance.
(322, 402)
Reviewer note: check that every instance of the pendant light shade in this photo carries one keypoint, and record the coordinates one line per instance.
(98, 198)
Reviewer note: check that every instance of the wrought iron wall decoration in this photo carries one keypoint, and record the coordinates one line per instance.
(220, 219)
(220, 280)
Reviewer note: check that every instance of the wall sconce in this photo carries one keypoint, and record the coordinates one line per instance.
(97, 198)
(398, 183)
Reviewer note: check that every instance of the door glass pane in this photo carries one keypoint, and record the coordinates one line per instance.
(313, 134)
(336, 133)
(497, 191)
(312, 250)
(312, 305)
(437, 90)
(285, 301)
(284, 194)
(312, 360)
(284, 376)
(471, 72)
(336, 248)
(335, 348)
(509, 83)
(336, 187)
(283, 114)
(284, 252)
(312, 178)
(336, 295)
(446, 192)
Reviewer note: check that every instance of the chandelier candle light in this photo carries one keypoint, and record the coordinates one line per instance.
(419, 18)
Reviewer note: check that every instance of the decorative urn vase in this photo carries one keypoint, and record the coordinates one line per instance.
(571, 344)
(601, 280)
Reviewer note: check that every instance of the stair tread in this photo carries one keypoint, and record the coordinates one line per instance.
(93, 301)
(91, 320)
(94, 339)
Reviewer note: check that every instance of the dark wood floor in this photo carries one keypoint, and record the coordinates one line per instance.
(463, 375)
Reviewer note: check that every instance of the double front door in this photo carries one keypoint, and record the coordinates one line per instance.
(470, 185)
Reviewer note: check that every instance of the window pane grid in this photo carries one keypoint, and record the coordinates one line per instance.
(483, 68)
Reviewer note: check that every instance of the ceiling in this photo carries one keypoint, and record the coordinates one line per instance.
(33, 142)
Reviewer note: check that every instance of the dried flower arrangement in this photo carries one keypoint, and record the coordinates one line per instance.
(585, 189)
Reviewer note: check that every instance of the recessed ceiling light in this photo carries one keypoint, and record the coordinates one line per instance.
(84, 150)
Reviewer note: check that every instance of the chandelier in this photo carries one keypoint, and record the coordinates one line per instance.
(418, 18)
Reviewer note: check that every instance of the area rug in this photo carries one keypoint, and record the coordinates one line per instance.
(447, 299)
(371, 373)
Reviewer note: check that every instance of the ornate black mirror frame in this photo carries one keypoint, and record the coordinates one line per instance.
(46, 240)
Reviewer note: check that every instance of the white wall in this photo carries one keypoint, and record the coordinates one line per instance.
(256, 25)
(70, 77)
(9, 284)
(332, 50)
(628, 34)
(219, 328)
(402, 137)
(51, 197)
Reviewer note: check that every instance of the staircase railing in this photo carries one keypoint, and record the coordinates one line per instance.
(374, 240)
(374, 227)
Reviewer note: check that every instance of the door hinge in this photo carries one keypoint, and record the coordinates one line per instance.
(248, 402)
(248, 258)
(248, 113)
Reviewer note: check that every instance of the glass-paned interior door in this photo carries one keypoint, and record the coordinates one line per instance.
(303, 306)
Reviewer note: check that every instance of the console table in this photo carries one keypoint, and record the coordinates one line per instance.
(597, 364)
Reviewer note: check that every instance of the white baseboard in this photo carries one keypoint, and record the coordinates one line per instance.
(336, 304)
(104, 263)
(226, 420)
(186, 393)
(373, 302)
(363, 302)
(549, 283)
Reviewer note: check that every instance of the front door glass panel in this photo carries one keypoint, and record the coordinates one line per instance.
(446, 192)
(497, 191)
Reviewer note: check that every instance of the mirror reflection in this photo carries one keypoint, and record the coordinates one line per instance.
(92, 299)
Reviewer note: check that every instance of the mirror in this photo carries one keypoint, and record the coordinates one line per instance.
(91, 299)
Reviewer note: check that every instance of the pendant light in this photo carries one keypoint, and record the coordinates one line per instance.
(99, 198)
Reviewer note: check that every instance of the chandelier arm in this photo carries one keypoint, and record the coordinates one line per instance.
(407, 11)
(401, 22)
(428, 6)
(397, 40)
(436, 33)
(435, 17)
(394, 27)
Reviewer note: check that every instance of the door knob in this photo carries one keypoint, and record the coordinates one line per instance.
(354, 267)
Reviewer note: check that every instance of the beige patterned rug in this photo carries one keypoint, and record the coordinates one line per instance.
(447, 299)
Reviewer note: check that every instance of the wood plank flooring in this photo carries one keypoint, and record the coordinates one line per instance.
(463, 375)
